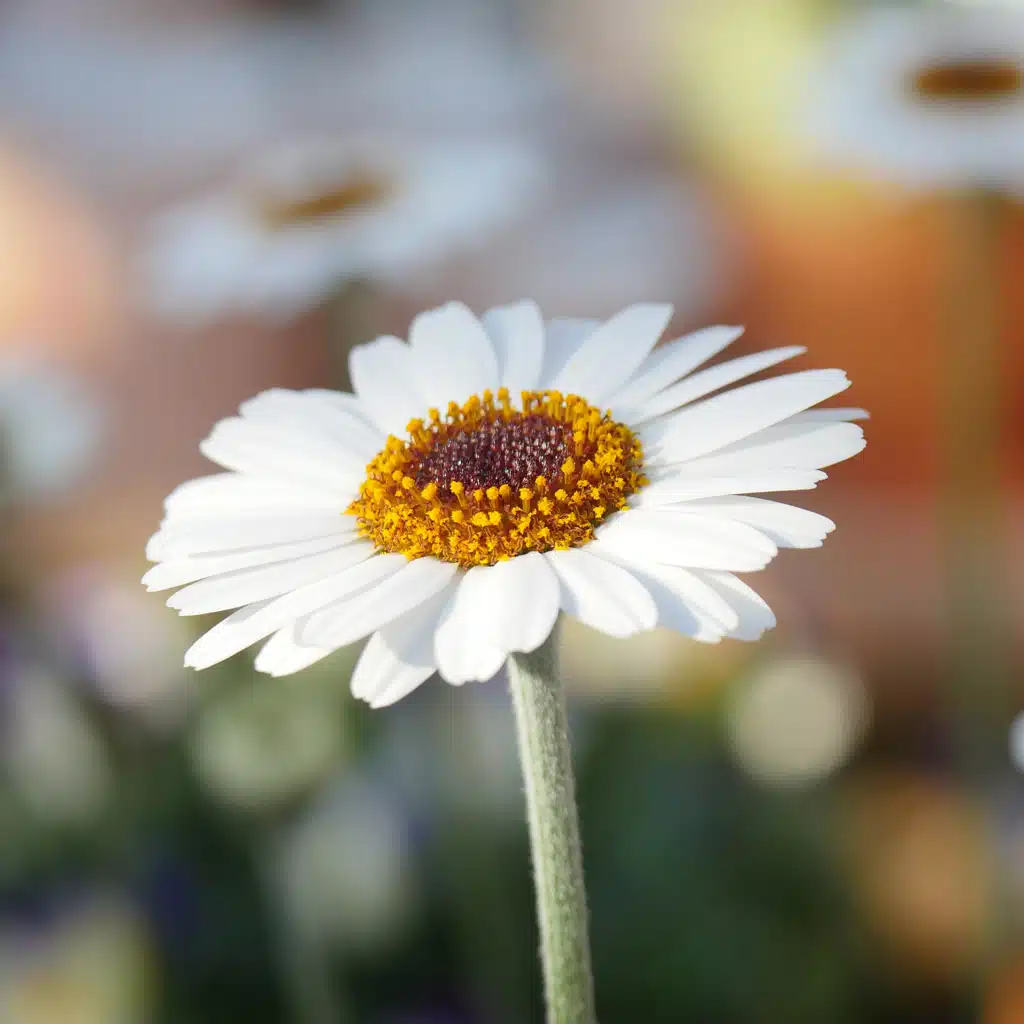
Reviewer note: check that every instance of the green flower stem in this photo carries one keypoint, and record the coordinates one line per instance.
(543, 733)
(308, 985)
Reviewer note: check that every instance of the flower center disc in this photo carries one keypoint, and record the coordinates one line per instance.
(488, 482)
(971, 81)
(361, 190)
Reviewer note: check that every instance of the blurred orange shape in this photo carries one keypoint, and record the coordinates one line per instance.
(921, 870)
(57, 273)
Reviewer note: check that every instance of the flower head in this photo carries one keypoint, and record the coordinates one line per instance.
(927, 96)
(489, 474)
(313, 216)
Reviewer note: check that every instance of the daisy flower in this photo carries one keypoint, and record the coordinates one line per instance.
(489, 474)
(311, 216)
(927, 96)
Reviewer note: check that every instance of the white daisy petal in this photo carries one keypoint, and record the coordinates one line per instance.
(383, 376)
(179, 571)
(401, 686)
(410, 637)
(563, 336)
(670, 362)
(348, 620)
(346, 402)
(311, 412)
(754, 614)
(282, 655)
(675, 489)
(462, 645)
(787, 525)
(517, 333)
(247, 586)
(789, 445)
(245, 627)
(700, 384)
(737, 414)
(270, 449)
(227, 534)
(677, 610)
(382, 679)
(220, 492)
(452, 355)
(515, 605)
(683, 539)
(530, 603)
(837, 415)
(601, 593)
(686, 603)
(697, 594)
(401, 653)
(613, 351)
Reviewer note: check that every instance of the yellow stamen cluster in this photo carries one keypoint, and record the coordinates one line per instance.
(358, 192)
(970, 81)
(597, 465)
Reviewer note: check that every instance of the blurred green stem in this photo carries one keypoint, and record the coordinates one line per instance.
(352, 320)
(973, 535)
(542, 728)
(306, 978)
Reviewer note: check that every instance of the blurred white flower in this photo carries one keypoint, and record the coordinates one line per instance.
(262, 746)
(310, 217)
(601, 245)
(49, 429)
(794, 721)
(137, 108)
(126, 647)
(91, 966)
(927, 96)
(346, 868)
(53, 754)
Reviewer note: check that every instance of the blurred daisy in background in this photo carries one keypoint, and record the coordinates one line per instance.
(467, 532)
(310, 217)
(928, 96)
(347, 869)
(120, 642)
(49, 429)
(260, 748)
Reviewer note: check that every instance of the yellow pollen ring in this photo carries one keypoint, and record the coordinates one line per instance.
(489, 524)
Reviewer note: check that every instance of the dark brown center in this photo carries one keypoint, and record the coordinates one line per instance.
(970, 81)
(359, 191)
(513, 452)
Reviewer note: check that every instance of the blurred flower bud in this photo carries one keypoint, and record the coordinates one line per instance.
(265, 744)
(347, 870)
(796, 720)
(56, 759)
